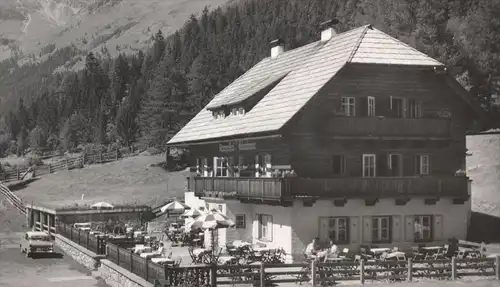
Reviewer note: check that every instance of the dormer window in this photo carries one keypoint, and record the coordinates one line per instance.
(238, 111)
(219, 114)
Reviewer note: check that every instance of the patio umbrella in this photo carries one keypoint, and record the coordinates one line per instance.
(212, 221)
(175, 206)
(101, 205)
(193, 212)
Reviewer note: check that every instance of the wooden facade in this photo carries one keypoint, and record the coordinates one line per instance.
(431, 122)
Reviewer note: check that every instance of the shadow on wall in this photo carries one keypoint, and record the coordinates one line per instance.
(484, 228)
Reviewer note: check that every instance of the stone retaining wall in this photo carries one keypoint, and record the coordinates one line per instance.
(113, 274)
(117, 276)
(80, 254)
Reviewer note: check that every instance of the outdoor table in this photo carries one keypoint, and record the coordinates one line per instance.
(142, 249)
(262, 249)
(197, 252)
(433, 248)
(150, 255)
(226, 259)
(159, 260)
(379, 250)
(241, 244)
(334, 259)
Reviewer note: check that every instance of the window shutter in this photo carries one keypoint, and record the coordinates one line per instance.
(361, 107)
(367, 229)
(198, 166)
(230, 166)
(354, 229)
(257, 166)
(396, 228)
(256, 226)
(437, 227)
(417, 164)
(270, 228)
(408, 227)
(348, 230)
(268, 164)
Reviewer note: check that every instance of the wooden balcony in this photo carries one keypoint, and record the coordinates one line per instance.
(389, 127)
(283, 190)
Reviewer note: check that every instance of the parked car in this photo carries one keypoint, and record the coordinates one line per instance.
(36, 242)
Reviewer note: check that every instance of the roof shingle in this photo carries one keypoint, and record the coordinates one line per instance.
(307, 70)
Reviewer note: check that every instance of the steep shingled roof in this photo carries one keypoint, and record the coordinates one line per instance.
(309, 68)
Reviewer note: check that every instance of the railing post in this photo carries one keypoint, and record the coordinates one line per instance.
(165, 271)
(362, 272)
(79, 236)
(262, 275)
(497, 267)
(88, 238)
(132, 260)
(117, 255)
(117, 153)
(146, 271)
(18, 174)
(410, 270)
(453, 268)
(67, 164)
(313, 273)
(50, 168)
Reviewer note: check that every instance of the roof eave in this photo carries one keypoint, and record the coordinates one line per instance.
(253, 136)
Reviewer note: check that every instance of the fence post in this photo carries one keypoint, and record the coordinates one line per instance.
(107, 249)
(88, 238)
(453, 268)
(262, 275)
(67, 164)
(18, 174)
(117, 255)
(83, 160)
(146, 271)
(410, 270)
(50, 168)
(497, 267)
(100, 156)
(117, 154)
(131, 260)
(313, 273)
(70, 234)
(79, 236)
(213, 275)
(362, 272)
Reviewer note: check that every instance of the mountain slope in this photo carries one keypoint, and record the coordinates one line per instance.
(39, 26)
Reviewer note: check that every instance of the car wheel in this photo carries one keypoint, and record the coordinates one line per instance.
(28, 254)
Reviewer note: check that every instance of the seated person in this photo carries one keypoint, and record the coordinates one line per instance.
(333, 250)
(313, 247)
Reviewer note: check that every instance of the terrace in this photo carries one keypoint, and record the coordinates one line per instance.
(283, 190)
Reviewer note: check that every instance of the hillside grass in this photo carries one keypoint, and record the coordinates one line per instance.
(130, 181)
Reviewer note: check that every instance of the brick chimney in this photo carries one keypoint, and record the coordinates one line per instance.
(277, 48)
(327, 29)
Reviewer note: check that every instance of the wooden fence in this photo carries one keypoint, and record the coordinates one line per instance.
(12, 198)
(315, 273)
(83, 238)
(68, 164)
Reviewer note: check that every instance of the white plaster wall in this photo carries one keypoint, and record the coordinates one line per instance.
(281, 227)
(305, 220)
(192, 201)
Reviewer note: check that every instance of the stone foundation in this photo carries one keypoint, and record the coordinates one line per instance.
(81, 255)
(117, 276)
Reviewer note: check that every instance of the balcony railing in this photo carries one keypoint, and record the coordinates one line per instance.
(285, 189)
(387, 127)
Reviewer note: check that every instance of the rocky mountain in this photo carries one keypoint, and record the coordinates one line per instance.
(31, 28)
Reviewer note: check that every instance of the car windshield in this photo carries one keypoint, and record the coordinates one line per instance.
(40, 238)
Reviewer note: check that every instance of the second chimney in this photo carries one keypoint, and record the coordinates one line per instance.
(277, 48)
(327, 29)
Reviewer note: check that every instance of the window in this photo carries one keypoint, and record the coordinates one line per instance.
(381, 229)
(220, 208)
(237, 111)
(395, 164)
(337, 229)
(219, 114)
(348, 106)
(422, 228)
(202, 166)
(220, 166)
(339, 164)
(265, 227)
(423, 164)
(263, 165)
(369, 168)
(240, 221)
(397, 107)
(414, 109)
(371, 106)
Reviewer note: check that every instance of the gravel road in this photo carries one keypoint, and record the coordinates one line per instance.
(18, 271)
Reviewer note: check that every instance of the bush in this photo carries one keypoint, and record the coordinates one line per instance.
(36, 160)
